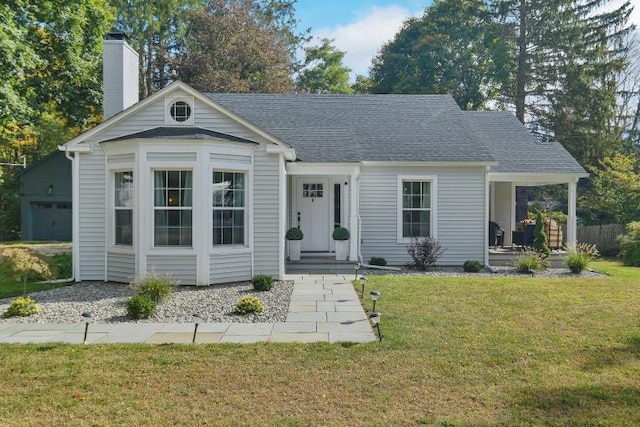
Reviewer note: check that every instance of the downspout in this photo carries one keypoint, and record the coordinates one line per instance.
(75, 253)
(487, 201)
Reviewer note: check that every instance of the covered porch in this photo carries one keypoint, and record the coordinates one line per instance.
(320, 198)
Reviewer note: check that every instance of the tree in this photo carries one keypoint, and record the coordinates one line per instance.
(323, 70)
(453, 48)
(568, 57)
(540, 238)
(614, 195)
(363, 84)
(234, 47)
(157, 30)
(50, 66)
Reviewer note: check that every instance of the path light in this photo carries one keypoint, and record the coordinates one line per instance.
(357, 266)
(375, 319)
(88, 316)
(374, 296)
(363, 280)
(197, 318)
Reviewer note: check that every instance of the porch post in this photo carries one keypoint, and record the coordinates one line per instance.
(353, 216)
(572, 224)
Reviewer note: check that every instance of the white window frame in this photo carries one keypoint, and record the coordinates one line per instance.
(115, 208)
(433, 180)
(245, 208)
(169, 101)
(191, 208)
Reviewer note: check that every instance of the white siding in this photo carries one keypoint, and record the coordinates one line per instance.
(460, 213)
(266, 191)
(121, 267)
(91, 210)
(209, 118)
(181, 268)
(224, 268)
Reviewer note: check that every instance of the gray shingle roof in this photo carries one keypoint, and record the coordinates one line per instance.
(516, 149)
(179, 132)
(352, 128)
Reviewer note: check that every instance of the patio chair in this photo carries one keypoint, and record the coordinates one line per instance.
(496, 234)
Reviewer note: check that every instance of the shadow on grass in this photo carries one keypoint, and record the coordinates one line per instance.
(587, 405)
(604, 357)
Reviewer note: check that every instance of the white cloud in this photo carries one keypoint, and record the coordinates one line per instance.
(362, 39)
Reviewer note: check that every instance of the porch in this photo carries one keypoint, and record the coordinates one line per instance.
(320, 263)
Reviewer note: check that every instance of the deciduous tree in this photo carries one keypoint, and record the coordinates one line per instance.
(323, 70)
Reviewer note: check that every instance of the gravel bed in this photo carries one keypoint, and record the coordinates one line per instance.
(497, 271)
(107, 301)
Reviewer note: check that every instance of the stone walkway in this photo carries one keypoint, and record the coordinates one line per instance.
(323, 308)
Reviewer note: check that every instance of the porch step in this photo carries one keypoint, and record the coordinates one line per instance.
(320, 264)
(509, 259)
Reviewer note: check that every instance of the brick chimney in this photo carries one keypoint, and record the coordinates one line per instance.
(120, 74)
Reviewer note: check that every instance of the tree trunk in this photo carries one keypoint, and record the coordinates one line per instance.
(521, 76)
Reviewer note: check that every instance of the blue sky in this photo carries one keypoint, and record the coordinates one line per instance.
(359, 27)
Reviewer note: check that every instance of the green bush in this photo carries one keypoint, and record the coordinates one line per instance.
(472, 266)
(249, 304)
(378, 261)
(262, 282)
(531, 261)
(425, 252)
(156, 287)
(340, 233)
(62, 265)
(140, 307)
(577, 261)
(630, 245)
(540, 237)
(23, 307)
(294, 234)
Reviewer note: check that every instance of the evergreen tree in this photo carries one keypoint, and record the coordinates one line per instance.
(540, 237)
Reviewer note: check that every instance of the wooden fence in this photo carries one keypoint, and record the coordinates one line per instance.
(603, 236)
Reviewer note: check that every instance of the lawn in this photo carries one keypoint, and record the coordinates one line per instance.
(456, 352)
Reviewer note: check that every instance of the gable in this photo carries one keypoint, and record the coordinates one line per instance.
(155, 112)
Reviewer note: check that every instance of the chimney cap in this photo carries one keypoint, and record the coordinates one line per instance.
(118, 35)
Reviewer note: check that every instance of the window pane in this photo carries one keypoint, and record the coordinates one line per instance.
(228, 207)
(124, 189)
(124, 227)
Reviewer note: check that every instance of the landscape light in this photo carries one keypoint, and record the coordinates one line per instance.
(374, 296)
(197, 318)
(357, 266)
(375, 319)
(363, 280)
(88, 316)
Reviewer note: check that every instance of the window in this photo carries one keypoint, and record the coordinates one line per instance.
(180, 111)
(173, 223)
(416, 208)
(313, 190)
(123, 203)
(228, 208)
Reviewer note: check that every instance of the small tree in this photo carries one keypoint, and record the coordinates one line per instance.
(22, 262)
(539, 237)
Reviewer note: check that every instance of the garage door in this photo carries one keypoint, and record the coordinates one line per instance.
(51, 220)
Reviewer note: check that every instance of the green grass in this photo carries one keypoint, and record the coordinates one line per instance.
(472, 351)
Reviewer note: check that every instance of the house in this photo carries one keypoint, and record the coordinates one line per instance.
(45, 199)
(204, 186)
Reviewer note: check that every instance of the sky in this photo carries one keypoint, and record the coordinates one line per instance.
(361, 27)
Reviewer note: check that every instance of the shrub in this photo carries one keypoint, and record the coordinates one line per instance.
(156, 287)
(472, 266)
(590, 250)
(62, 265)
(262, 282)
(22, 263)
(378, 261)
(577, 261)
(539, 237)
(340, 233)
(630, 245)
(294, 234)
(531, 261)
(425, 252)
(249, 304)
(140, 307)
(23, 307)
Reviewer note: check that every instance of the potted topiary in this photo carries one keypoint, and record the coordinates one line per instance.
(341, 237)
(294, 235)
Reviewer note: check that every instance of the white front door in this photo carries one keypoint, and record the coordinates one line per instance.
(313, 195)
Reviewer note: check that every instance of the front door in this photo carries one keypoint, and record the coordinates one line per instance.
(312, 212)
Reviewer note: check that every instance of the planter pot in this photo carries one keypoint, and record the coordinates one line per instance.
(294, 250)
(342, 249)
